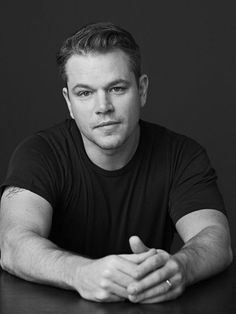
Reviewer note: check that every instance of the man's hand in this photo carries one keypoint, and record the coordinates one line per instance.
(160, 277)
(107, 279)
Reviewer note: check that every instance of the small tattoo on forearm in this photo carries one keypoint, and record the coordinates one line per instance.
(13, 190)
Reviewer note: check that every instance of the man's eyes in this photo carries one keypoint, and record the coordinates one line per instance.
(84, 93)
(115, 90)
(118, 89)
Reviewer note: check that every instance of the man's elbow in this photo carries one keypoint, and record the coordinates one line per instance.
(227, 253)
(8, 248)
(228, 250)
(224, 244)
(230, 256)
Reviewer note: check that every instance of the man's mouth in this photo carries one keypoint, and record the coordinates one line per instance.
(106, 123)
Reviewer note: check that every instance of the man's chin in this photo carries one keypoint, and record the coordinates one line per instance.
(109, 144)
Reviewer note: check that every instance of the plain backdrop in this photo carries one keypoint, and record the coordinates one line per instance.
(188, 50)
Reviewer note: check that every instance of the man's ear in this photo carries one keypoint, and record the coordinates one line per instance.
(143, 89)
(67, 99)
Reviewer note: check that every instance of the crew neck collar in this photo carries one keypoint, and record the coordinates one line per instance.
(105, 172)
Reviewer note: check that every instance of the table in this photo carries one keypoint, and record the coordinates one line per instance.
(214, 295)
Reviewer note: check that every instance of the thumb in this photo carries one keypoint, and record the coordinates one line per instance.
(136, 245)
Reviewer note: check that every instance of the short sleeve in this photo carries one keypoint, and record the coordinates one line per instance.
(194, 182)
(32, 167)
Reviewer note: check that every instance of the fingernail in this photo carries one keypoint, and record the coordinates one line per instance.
(132, 290)
(153, 251)
(132, 298)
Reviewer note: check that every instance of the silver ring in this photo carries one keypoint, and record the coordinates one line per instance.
(169, 283)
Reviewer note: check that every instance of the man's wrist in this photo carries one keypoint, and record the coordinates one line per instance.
(73, 271)
(181, 258)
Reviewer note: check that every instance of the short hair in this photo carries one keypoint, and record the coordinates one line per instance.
(100, 37)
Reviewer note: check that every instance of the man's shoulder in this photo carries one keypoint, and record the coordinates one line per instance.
(61, 130)
(167, 137)
(53, 138)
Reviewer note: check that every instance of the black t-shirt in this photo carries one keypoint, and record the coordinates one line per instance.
(95, 211)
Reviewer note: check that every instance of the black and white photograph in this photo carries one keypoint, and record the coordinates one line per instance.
(118, 150)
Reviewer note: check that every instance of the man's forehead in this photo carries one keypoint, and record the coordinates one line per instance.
(98, 67)
(104, 54)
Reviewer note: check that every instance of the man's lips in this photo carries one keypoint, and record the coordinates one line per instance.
(106, 123)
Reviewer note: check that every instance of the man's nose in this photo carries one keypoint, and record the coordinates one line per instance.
(103, 103)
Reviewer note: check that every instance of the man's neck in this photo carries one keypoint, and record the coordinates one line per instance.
(114, 159)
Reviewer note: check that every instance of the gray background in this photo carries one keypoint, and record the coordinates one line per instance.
(188, 50)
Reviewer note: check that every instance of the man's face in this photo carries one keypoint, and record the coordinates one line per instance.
(104, 98)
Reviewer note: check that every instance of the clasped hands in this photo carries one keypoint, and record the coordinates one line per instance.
(146, 276)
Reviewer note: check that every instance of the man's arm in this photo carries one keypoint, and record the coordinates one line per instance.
(207, 251)
(25, 222)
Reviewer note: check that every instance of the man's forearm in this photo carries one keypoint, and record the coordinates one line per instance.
(36, 259)
(39, 260)
(204, 255)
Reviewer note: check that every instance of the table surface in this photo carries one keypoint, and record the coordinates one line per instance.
(214, 295)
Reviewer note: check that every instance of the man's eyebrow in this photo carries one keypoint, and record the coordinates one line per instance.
(119, 81)
(81, 86)
(115, 82)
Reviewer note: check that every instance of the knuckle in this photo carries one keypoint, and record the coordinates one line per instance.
(157, 276)
(85, 295)
(137, 273)
(166, 255)
(102, 295)
(174, 266)
(179, 277)
(107, 273)
(112, 259)
(152, 263)
(155, 260)
(104, 284)
(163, 254)
(152, 252)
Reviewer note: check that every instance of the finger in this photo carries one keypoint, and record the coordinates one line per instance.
(153, 279)
(119, 291)
(126, 267)
(118, 277)
(139, 258)
(112, 298)
(158, 290)
(136, 245)
(150, 264)
(109, 288)
(105, 296)
(115, 298)
(170, 295)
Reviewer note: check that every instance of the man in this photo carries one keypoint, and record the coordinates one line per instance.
(92, 203)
